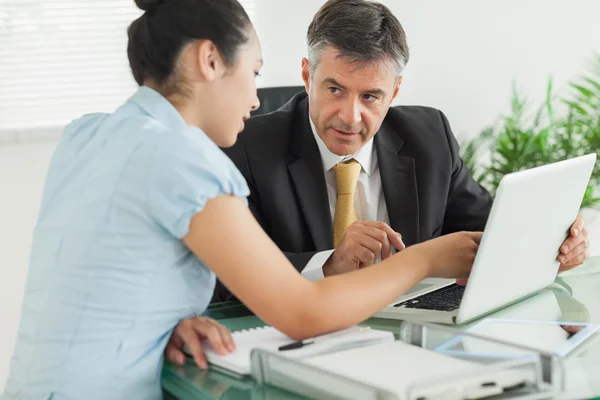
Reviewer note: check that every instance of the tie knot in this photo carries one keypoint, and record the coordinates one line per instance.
(346, 176)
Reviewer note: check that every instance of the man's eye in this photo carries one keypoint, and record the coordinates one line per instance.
(333, 90)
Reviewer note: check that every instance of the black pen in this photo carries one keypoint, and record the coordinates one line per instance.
(301, 343)
(295, 345)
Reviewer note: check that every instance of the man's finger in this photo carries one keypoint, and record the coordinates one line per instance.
(386, 251)
(373, 245)
(376, 240)
(382, 237)
(393, 236)
(576, 261)
(574, 252)
(577, 226)
(366, 257)
(396, 240)
(580, 259)
(565, 267)
(572, 242)
(191, 339)
(400, 244)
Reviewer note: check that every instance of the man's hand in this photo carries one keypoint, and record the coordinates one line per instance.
(363, 243)
(574, 250)
(190, 332)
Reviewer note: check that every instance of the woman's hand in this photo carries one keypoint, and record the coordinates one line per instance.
(452, 255)
(190, 332)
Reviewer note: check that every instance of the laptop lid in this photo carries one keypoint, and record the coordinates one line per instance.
(532, 213)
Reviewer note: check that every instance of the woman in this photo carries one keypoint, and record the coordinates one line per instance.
(141, 210)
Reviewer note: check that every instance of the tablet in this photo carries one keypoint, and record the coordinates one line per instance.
(556, 337)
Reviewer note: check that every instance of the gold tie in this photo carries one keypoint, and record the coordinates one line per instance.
(346, 176)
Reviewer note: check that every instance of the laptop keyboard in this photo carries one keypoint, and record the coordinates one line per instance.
(444, 299)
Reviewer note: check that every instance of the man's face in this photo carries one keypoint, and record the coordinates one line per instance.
(348, 101)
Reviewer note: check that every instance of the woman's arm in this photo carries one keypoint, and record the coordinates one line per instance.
(227, 238)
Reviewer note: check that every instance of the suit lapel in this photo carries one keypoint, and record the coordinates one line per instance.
(306, 171)
(398, 179)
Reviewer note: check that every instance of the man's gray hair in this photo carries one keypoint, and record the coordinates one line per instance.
(362, 31)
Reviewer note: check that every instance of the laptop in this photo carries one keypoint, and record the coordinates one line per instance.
(531, 216)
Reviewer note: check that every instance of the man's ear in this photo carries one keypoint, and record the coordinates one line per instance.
(306, 73)
(396, 89)
(209, 61)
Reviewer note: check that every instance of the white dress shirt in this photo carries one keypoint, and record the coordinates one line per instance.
(369, 201)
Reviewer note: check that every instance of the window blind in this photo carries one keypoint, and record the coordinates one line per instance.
(61, 59)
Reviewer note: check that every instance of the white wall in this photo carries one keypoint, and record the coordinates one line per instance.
(22, 173)
(465, 54)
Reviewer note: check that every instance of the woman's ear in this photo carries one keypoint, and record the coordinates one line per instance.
(211, 65)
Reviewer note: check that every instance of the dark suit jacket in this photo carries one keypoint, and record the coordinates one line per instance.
(428, 190)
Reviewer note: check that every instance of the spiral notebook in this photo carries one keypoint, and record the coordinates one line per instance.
(269, 338)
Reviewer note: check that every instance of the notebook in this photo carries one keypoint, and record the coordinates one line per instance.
(271, 339)
(397, 366)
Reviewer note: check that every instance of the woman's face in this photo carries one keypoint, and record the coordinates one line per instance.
(234, 95)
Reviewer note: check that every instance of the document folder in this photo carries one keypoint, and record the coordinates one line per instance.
(409, 369)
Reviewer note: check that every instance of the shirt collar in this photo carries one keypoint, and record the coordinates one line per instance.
(364, 155)
(158, 107)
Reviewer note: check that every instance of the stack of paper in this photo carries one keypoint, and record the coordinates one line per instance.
(271, 339)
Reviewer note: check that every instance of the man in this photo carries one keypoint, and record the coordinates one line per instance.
(338, 177)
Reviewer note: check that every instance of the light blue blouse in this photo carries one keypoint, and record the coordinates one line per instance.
(109, 277)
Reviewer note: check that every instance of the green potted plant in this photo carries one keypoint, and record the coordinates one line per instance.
(562, 128)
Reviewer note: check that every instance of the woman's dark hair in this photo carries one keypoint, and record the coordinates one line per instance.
(158, 36)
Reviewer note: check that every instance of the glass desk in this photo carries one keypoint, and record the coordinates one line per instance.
(574, 297)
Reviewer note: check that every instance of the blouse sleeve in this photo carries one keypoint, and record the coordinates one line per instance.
(185, 172)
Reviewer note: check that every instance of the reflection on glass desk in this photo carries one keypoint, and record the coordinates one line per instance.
(573, 297)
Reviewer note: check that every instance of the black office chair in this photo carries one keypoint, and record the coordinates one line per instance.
(272, 98)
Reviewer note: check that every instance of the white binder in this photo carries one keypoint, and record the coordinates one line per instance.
(410, 370)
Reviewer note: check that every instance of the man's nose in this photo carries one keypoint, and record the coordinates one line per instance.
(350, 113)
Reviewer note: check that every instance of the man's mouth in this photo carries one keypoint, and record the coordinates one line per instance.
(345, 133)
